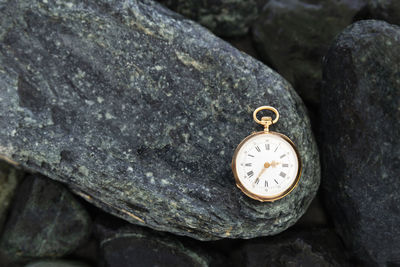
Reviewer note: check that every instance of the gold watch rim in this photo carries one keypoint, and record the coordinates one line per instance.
(260, 197)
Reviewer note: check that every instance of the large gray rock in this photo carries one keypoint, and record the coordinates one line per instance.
(293, 36)
(139, 112)
(46, 221)
(361, 142)
(224, 17)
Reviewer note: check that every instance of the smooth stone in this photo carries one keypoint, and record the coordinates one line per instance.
(388, 10)
(245, 44)
(226, 18)
(9, 180)
(88, 251)
(57, 263)
(45, 221)
(128, 245)
(315, 216)
(139, 111)
(312, 247)
(361, 140)
(292, 36)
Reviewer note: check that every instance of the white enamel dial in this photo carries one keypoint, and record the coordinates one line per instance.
(266, 165)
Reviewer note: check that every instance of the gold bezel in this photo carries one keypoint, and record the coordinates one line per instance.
(259, 197)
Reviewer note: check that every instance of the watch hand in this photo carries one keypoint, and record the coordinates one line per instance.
(261, 172)
(274, 164)
(265, 167)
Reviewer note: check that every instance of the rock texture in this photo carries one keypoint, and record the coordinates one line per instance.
(46, 221)
(388, 10)
(127, 245)
(312, 247)
(139, 111)
(292, 36)
(361, 142)
(226, 18)
(57, 263)
(9, 179)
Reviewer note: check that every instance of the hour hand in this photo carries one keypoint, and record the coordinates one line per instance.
(261, 172)
(266, 166)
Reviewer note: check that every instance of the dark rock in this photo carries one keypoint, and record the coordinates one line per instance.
(224, 17)
(244, 44)
(139, 111)
(128, 245)
(361, 142)
(314, 247)
(88, 252)
(315, 215)
(9, 179)
(292, 36)
(388, 10)
(45, 221)
(57, 263)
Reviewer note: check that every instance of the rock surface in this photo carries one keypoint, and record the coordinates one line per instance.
(139, 111)
(224, 17)
(313, 247)
(9, 179)
(361, 141)
(292, 36)
(128, 245)
(388, 10)
(45, 221)
(57, 263)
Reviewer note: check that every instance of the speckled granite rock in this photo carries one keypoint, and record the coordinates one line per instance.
(223, 17)
(293, 36)
(139, 112)
(45, 221)
(9, 179)
(361, 142)
(128, 245)
(388, 10)
(313, 247)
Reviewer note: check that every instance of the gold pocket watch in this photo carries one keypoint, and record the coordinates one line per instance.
(266, 164)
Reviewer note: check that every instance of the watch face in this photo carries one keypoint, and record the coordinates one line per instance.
(266, 166)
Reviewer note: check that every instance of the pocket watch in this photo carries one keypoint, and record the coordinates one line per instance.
(266, 164)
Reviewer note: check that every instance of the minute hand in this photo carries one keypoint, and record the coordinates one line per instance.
(274, 164)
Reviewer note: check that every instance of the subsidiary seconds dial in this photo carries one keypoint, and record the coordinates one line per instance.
(266, 166)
